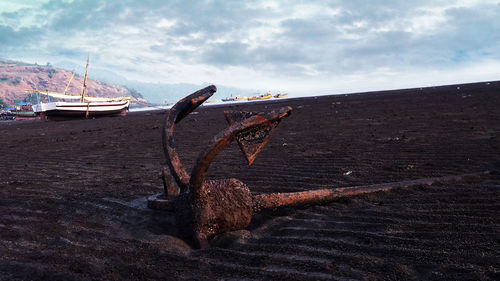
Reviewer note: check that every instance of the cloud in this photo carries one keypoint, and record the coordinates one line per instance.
(11, 39)
(274, 41)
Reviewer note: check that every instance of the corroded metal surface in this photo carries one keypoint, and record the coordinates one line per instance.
(319, 196)
(220, 206)
(253, 141)
(246, 126)
(224, 205)
(206, 208)
(175, 178)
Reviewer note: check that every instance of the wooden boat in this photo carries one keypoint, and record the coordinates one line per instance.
(228, 99)
(261, 97)
(85, 106)
(280, 95)
(236, 98)
(82, 109)
(23, 110)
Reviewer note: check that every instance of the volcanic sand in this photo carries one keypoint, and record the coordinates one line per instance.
(73, 193)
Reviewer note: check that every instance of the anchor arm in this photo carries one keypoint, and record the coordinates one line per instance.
(224, 138)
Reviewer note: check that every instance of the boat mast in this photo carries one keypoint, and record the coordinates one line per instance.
(84, 88)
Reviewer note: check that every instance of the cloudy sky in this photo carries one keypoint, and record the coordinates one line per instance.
(303, 47)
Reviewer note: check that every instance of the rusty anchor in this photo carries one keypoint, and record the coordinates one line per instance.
(208, 207)
(204, 208)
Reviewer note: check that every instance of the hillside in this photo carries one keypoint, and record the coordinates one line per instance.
(17, 77)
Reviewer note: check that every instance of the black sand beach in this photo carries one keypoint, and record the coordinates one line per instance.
(73, 193)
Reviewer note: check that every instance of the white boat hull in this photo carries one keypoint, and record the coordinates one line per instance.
(81, 109)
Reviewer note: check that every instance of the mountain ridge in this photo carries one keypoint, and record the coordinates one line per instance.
(16, 77)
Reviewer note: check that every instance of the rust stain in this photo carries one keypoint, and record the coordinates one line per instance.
(321, 196)
(251, 142)
(206, 208)
(175, 178)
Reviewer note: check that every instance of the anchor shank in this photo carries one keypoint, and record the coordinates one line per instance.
(319, 196)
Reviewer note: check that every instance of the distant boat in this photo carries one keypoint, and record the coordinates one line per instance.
(236, 98)
(85, 107)
(280, 95)
(228, 99)
(261, 97)
(23, 110)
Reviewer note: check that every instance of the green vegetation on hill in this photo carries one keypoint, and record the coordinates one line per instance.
(6, 79)
(51, 72)
(16, 80)
(31, 97)
(3, 104)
